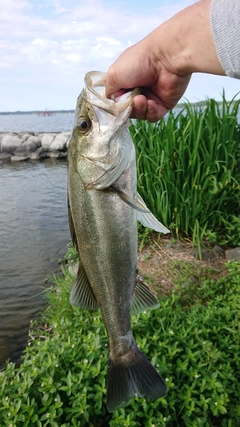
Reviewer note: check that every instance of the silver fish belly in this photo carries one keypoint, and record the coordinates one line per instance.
(103, 210)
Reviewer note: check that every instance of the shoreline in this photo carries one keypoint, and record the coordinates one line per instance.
(22, 146)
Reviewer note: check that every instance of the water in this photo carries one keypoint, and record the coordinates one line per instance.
(33, 235)
(59, 122)
(33, 231)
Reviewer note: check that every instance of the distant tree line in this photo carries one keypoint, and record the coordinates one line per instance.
(35, 112)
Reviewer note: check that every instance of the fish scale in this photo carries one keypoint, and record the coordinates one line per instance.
(103, 210)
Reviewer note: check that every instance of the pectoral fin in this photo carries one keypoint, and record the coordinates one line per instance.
(82, 295)
(143, 298)
(148, 219)
(135, 204)
(144, 215)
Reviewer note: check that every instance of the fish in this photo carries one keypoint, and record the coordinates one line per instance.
(104, 207)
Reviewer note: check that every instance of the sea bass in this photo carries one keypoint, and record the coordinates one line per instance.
(103, 210)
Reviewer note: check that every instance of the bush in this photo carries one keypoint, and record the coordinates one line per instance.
(193, 340)
(189, 170)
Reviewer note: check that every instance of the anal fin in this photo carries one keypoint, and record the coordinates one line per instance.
(143, 298)
(82, 295)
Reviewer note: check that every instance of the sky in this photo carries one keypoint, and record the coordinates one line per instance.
(47, 46)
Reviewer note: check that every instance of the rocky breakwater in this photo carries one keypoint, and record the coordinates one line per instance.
(16, 147)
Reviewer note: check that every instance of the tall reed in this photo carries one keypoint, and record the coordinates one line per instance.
(189, 169)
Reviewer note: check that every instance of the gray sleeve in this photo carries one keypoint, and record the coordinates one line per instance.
(225, 24)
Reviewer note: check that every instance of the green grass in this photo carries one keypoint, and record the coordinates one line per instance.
(189, 175)
(192, 339)
(189, 171)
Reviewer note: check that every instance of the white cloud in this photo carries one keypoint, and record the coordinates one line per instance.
(75, 57)
(54, 42)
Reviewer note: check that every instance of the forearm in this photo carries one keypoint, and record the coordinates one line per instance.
(185, 42)
(192, 41)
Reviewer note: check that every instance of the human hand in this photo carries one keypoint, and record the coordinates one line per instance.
(162, 63)
(161, 87)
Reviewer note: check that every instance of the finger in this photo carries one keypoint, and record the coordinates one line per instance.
(111, 88)
(116, 94)
(147, 109)
(155, 111)
(139, 107)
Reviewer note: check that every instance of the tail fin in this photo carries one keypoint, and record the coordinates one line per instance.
(133, 378)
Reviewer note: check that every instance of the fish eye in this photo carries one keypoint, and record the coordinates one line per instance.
(83, 125)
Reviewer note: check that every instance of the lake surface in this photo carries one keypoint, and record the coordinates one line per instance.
(33, 236)
(59, 122)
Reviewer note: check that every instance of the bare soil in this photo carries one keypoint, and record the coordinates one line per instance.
(163, 263)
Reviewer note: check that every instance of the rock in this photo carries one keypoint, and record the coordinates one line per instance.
(5, 157)
(10, 143)
(192, 280)
(57, 154)
(219, 252)
(59, 142)
(53, 142)
(18, 158)
(31, 144)
(179, 247)
(206, 254)
(209, 254)
(47, 140)
(73, 269)
(1, 137)
(38, 154)
(233, 254)
(67, 133)
(24, 135)
(21, 154)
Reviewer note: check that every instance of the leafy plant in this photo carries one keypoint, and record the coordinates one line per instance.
(71, 255)
(192, 339)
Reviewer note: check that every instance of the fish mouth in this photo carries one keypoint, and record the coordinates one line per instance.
(121, 106)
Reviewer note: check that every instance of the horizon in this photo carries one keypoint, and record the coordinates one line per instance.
(72, 110)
